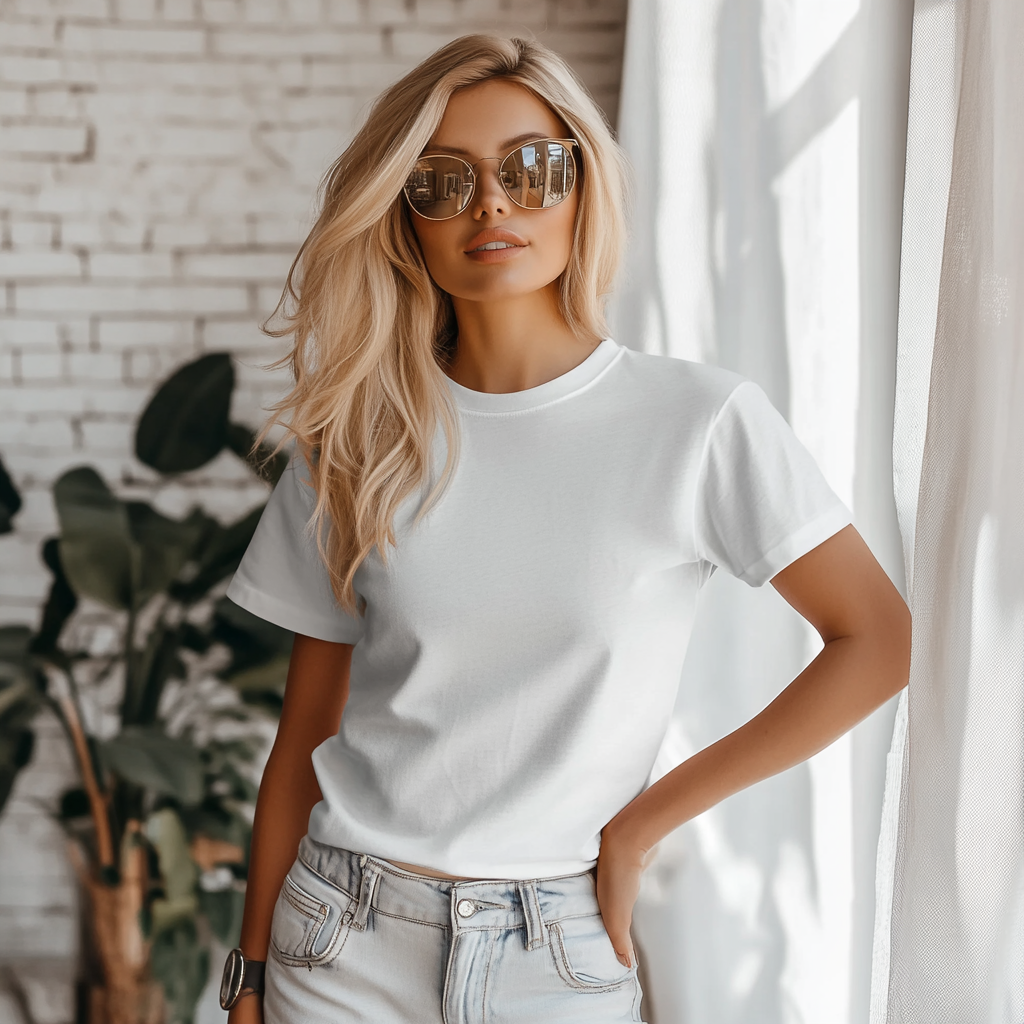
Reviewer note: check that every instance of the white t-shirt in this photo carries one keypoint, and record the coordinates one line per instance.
(518, 659)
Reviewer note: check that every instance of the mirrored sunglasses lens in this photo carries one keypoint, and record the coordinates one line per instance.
(539, 175)
(439, 187)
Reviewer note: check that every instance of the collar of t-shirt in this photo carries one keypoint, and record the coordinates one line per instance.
(551, 391)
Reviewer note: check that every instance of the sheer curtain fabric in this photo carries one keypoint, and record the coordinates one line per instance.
(768, 140)
(950, 943)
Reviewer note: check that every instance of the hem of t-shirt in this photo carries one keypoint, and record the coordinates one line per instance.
(430, 859)
(266, 606)
(797, 544)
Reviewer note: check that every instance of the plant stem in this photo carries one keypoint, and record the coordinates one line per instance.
(97, 803)
(73, 695)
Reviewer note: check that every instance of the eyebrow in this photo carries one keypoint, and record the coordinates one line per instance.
(507, 144)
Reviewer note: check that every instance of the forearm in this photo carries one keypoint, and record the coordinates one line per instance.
(314, 698)
(849, 679)
(287, 794)
(840, 589)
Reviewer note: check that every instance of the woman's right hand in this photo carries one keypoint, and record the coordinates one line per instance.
(248, 1010)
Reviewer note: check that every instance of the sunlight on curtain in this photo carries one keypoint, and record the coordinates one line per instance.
(818, 233)
(950, 945)
(767, 139)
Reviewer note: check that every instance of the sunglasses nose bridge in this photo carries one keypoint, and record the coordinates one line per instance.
(489, 185)
(484, 159)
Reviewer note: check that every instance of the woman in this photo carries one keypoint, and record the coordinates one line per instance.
(489, 546)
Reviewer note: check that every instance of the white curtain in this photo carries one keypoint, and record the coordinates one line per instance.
(768, 139)
(950, 942)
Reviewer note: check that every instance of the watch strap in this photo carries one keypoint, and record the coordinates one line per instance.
(253, 974)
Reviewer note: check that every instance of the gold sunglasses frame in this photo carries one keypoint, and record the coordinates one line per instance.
(570, 146)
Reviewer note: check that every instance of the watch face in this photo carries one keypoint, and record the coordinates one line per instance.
(231, 980)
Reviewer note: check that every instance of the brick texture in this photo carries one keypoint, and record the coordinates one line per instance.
(158, 163)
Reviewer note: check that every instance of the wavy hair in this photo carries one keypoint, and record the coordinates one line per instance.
(371, 331)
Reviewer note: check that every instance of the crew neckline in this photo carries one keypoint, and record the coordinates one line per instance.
(532, 398)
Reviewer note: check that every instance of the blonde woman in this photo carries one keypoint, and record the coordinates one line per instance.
(489, 545)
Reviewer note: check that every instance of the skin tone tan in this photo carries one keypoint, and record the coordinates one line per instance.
(511, 334)
(512, 337)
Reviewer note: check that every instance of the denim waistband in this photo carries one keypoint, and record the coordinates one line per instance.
(379, 885)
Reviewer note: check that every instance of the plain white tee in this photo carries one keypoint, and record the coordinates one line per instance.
(518, 659)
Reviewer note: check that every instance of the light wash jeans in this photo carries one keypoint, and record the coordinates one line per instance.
(355, 938)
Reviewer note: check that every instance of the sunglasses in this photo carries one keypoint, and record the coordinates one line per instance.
(536, 176)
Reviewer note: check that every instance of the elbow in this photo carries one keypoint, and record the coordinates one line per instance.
(884, 643)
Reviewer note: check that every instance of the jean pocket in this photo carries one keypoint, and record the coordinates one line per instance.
(312, 919)
(584, 956)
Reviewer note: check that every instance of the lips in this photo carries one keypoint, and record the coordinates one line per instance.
(486, 241)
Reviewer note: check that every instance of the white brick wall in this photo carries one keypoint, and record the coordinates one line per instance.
(158, 161)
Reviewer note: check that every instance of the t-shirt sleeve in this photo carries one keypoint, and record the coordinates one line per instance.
(282, 577)
(761, 500)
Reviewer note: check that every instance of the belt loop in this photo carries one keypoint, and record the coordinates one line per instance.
(536, 929)
(367, 884)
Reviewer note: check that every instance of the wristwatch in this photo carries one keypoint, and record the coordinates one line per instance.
(242, 977)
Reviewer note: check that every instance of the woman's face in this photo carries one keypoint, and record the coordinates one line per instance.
(491, 120)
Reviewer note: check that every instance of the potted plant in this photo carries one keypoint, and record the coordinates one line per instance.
(160, 821)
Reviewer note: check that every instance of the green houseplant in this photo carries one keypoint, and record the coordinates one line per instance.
(159, 823)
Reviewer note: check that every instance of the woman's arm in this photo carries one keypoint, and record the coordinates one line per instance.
(314, 698)
(844, 593)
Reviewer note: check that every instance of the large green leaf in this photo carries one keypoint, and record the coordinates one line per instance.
(166, 833)
(74, 803)
(259, 654)
(212, 819)
(272, 638)
(60, 602)
(149, 758)
(21, 683)
(223, 909)
(15, 752)
(185, 424)
(219, 556)
(10, 500)
(165, 545)
(97, 552)
(19, 702)
(262, 460)
(15, 659)
(160, 661)
(20, 699)
(182, 965)
(120, 553)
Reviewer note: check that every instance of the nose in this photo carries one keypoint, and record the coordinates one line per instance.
(489, 197)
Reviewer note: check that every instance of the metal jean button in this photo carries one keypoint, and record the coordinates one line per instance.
(465, 908)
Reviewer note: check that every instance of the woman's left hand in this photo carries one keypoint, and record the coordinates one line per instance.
(619, 866)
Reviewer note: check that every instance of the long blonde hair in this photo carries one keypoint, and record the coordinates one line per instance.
(371, 330)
